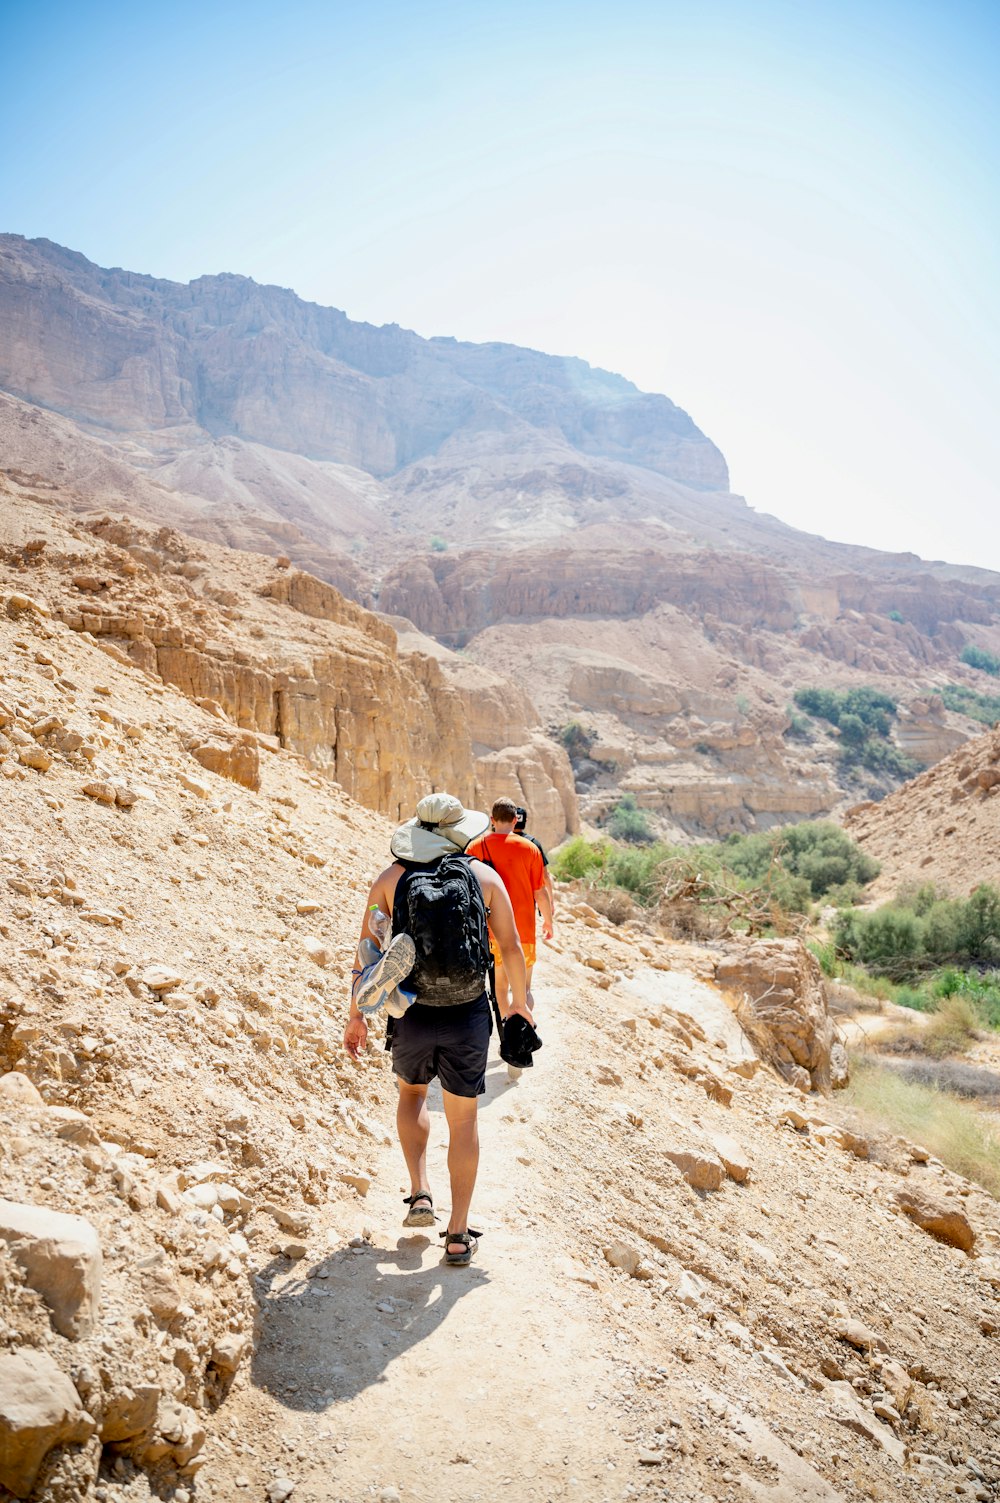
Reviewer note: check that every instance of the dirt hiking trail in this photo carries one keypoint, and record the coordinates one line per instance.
(619, 1334)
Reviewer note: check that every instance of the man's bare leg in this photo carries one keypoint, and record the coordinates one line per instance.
(462, 1113)
(413, 1124)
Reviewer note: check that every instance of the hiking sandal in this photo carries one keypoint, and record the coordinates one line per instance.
(470, 1242)
(419, 1215)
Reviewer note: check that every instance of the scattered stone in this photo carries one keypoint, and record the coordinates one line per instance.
(35, 757)
(39, 1409)
(25, 605)
(852, 1142)
(236, 758)
(697, 1169)
(61, 1258)
(229, 1351)
(17, 1087)
(129, 1412)
(294, 1221)
(858, 1335)
(103, 793)
(161, 978)
(946, 1223)
(732, 1156)
(280, 1489)
(194, 785)
(317, 951)
(621, 1255)
(359, 1182)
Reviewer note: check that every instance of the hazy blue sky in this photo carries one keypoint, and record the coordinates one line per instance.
(784, 216)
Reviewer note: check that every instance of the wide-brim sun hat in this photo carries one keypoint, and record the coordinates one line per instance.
(442, 826)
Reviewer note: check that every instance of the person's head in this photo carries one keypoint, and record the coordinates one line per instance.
(504, 814)
(441, 828)
(521, 822)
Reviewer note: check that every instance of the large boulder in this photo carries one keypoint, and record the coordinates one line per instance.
(947, 1223)
(39, 1409)
(61, 1258)
(782, 1005)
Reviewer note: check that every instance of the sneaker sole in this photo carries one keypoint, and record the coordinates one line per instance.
(386, 974)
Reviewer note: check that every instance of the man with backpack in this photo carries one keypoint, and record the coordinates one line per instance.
(439, 900)
(518, 862)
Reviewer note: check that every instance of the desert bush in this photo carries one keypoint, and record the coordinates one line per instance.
(888, 941)
(578, 858)
(576, 738)
(438, 545)
(976, 657)
(616, 905)
(864, 719)
(982, 707)
(953, 1075)
(955, 1133)
(923, 931)
(819, 853)
(627, 821)
(953, 1026)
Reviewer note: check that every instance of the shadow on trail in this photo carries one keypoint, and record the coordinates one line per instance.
(332, 1331)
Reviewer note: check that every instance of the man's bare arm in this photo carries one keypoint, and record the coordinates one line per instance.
(544, 902)
(379, 896)
(504, 931)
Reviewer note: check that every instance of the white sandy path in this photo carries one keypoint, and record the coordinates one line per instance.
(490, 1381)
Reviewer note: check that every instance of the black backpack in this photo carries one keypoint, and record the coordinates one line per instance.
(440, 906)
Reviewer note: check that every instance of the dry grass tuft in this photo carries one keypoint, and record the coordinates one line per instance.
(957, 1134)
(953, 1026)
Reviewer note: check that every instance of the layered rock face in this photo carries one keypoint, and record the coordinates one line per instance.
(231, 357)
(327, 680)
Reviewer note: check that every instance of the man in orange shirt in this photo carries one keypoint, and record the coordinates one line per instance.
(522, 871)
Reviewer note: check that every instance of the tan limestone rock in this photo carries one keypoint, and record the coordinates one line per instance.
(783, 1008)
(39, 1409)
(946, 1223)
(61, 1258)
(17, 1087)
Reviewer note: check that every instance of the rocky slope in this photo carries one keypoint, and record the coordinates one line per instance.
(690, 1279)
(267, 650)
(943, 827)
(546, 520)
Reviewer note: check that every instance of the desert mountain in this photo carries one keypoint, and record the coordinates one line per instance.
(545, 520)
(696, 1280)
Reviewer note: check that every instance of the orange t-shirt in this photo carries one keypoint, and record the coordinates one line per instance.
(521, 870)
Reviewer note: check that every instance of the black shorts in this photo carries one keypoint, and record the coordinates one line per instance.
(449, 1042)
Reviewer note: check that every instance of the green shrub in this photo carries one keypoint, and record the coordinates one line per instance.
(982, 707)
(817, 851)
(975, 657)
(636, 868)
(438, 545)
(798, 726)
(864, 719)
(896, 616)
(578, 858)
(888, 941)
(576, 738)
(627, 821)
(922, 930)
